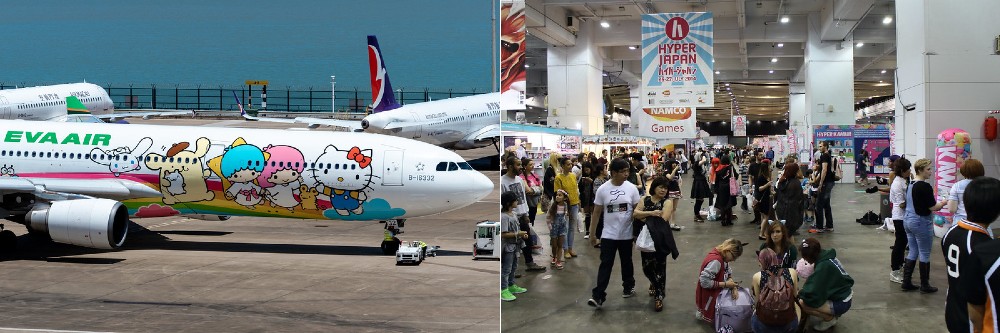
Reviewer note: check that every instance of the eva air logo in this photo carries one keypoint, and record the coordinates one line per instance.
(87, 139)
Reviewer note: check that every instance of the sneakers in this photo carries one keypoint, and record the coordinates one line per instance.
(628, 293)
(815, 231)
(514, 289)
(825, 325)
(533, 267)
(896, 276)
(596, 303)
(507, 296)
(568, 255)
(559, 265)
(587, 236)
(676, 227)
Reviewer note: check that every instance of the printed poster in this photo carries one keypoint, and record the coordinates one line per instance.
(875, 139)
(666, 122)
(677, 67)
(739, 125)
(841, 138)
(512, 55)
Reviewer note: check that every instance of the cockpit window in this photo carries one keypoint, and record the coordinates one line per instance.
(464, 166)
(452, 166)
(443, 166)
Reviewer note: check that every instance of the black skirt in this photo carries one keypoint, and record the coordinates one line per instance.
(700, 189)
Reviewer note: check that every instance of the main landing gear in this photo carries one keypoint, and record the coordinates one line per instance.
(8, 241)
(390, 243)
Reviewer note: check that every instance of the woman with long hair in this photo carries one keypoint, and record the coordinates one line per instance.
(789, 198)
(586, 185)
(920, 202)
(780, 241)
(724, 200)
(699, 184)
(897, 198)
(533, 192)
(762, 189)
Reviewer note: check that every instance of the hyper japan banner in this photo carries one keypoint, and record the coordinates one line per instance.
(677, 67)
(512, 57)
(665, 123)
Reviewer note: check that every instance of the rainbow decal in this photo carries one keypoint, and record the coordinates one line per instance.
(954, 145)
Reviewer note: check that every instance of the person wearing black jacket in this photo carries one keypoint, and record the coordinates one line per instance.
(724, 201)
(919, 226)
(654, 210)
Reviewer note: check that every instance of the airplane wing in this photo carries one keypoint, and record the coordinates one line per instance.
(144, 115)
(399, 124)
(491, 131)
(63, 189)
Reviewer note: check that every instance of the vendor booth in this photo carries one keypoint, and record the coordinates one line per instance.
(536, 142)
(598, 143)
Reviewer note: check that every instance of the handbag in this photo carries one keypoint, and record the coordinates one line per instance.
(734, 188)
(645, 241)
(546, 201)
(837, 172)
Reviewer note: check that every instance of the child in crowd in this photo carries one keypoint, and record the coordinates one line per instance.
(828, 291)
(511, 237)
(558, 222)
(716, 275)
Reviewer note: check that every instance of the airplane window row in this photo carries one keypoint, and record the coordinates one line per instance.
(452, 166)
(38, 105)
(486, 114)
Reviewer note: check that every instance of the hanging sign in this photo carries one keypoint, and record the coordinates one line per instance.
(677, 67)
(666, 123)
(739, 125)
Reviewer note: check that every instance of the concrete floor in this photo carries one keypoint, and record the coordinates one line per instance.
(557, 300)
(256, 275)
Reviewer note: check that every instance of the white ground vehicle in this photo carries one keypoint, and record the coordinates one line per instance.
(413, 253)
(487, 237)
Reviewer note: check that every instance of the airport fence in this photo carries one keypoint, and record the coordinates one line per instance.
(152, 96)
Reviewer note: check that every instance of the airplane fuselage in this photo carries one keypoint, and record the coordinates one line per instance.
(450, 123)
(252, 172)
(49, 102)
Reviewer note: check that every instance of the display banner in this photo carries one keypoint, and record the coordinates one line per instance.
(570, 144)
(954, 145)
(677, 67)
(512, 55)
(666, 123)
(841, 138)
(790, 135)
(739, 125)
(875, 139)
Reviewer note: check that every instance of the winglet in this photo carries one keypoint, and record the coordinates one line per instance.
(382, 94)
(74, 106)
(242, 111)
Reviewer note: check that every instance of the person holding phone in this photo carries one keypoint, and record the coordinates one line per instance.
(716, 275)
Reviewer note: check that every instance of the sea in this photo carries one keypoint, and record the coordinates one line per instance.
(438, 45)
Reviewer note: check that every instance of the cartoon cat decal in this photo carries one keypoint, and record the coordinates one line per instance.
(190, 186)
(122, 159)
(341, 177)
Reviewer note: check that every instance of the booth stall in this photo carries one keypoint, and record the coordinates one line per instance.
(537, 141)
(597, 143)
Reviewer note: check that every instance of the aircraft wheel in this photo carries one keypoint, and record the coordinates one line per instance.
(8, 242)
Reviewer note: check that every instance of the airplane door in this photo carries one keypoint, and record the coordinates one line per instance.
(4, 108)
(393, 173)
(418, 130)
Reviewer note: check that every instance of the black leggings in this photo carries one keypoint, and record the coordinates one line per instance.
(697, 206)
(532, 211)
(898, 247)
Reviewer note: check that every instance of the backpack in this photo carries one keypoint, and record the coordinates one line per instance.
(776, 304)
(837, 173)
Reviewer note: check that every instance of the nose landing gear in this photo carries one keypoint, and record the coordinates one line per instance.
(390, 243)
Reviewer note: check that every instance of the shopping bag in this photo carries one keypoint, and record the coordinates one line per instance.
(645, 242)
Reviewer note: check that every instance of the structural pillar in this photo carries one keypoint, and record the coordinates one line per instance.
(798, 117)
(947, 75)
(829, 86)
(575, 84)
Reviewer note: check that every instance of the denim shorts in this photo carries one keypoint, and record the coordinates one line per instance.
(558, 228)
(840, 307)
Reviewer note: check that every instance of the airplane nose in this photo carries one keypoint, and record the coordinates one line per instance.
(482, 186)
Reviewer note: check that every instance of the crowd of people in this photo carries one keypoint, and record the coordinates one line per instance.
(629, 200)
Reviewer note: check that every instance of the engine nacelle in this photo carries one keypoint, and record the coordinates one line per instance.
(93, 223)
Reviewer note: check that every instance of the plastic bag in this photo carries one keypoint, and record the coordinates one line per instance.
(645, 242)
(579, 222)
(713, 214)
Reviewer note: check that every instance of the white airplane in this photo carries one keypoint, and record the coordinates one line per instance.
(49, 103)
(79, 183)
(458, 123)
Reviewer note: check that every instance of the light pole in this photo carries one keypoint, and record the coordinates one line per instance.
(333, 93)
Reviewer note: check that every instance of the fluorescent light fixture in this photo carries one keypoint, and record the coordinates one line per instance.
(774, 59)
(770, 71)
(727, 84)
(605, 74)
(887, 20)
(883, 71)
(605, 24)
(859, 44)
(784, 19)
(631, 47)
(781, 44)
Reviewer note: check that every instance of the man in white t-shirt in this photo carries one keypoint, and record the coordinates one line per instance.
(512, 182)
(615, 200)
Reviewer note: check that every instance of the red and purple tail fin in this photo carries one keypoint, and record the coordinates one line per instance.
(382, 94)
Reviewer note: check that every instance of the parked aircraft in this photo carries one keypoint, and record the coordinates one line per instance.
(49, 103)
(80, 183)
(459, 123)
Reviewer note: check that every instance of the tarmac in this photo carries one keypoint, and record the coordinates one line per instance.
(556, 300)
(252, 274)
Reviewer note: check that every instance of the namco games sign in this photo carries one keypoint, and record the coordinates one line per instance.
(677, 68)
(665, 123)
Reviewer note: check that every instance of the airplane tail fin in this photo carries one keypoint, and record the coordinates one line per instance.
(243, 112)
(74, 106)
(382, 93)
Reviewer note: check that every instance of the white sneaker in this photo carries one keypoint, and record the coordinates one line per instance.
(586, 236)
(896, 276)
(825, 325)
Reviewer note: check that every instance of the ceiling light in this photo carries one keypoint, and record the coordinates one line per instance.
(784, 19)
(716, 72)
(887, 20)
(527, 66)
(879, 81)
(631, 47)
(859, 44)
(605, 74)
(781, 44)
(605, 24)
(770, 71)
(883, 71)
(727, 84)
(774, 59)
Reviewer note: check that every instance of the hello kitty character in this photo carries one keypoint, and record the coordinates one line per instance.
(341, 177)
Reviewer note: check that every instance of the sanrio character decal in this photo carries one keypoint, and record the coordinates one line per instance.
(282, 176)
(188, 164)
(122, 159)
(341, 177)
(240, 165)
(7, 171)
(308, 197)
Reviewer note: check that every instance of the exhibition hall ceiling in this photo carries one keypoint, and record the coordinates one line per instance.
(759, 46)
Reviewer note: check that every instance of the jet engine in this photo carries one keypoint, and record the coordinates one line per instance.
(93, 223)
